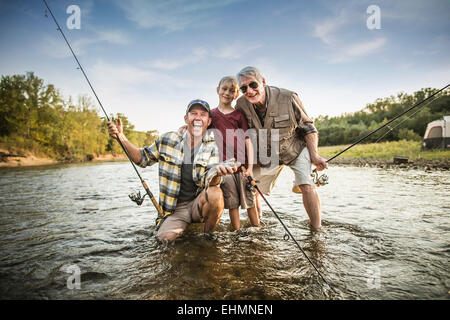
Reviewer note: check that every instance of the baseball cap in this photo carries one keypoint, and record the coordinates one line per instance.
(199, 102)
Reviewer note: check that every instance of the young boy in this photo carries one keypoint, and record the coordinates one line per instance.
(226, 118)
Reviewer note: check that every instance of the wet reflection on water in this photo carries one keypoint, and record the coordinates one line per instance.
(384, 235)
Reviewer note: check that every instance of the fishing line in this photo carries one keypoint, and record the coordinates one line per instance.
(323, 179)
(387, 123)
(289, 234)
(407, 118)
(144, 184)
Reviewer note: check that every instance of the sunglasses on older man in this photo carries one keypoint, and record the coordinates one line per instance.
(252, 85)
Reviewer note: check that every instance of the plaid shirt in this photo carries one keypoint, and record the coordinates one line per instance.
(167, 150)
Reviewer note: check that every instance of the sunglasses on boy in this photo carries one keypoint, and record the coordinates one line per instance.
(252, 85)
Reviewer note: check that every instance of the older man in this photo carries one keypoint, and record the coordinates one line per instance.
(184, 160)
(270, 108)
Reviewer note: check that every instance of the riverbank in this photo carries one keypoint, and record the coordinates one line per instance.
(380, 155)
(394, 154)
(20, 159)
(425, 164)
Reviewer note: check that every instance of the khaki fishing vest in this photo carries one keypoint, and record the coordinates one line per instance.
(279, 115)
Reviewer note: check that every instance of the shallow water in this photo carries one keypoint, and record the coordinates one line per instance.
(385, 235)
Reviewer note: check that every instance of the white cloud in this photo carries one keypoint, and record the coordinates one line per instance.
(128, 78)
(416, 12)
(356, 50)
(113, 36)
(57, 48)
(167, 64)
(231, 51)
(194, 56)
(334, 33)
(326, 30)
(236, 50)
(170, 15)
(120, 76)
(440, 43)
(150, 99)
(425, 52)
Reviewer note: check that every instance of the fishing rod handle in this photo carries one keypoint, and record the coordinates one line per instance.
(155, 203)
(158, 208)
(249, 178)
(144, 184)
(288, 233)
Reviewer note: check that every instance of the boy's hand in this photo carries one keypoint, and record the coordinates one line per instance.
(247, 173)
(182, 129)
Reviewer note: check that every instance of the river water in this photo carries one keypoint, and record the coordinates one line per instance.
(385, 235)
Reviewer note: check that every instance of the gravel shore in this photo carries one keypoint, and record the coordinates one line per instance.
(434, 164)
(19, 160)
(14, 160)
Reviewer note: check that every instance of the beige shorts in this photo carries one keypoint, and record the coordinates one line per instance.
(235, 192)
(268, 176)
(185, 213)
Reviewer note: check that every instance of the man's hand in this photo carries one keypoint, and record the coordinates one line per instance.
(319, 162)
(114, 130)
(225, 170)
(312, 141)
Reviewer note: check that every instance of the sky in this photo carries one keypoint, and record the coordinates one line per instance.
(147, 59)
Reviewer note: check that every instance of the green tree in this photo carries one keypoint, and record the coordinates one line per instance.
(34, 117)
(347, 128)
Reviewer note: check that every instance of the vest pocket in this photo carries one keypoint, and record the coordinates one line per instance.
(281, 121)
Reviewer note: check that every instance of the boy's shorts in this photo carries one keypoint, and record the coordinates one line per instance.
(185, 213)
(301, 167)
(235, 192)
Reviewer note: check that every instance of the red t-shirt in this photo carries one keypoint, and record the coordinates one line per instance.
(235, 146)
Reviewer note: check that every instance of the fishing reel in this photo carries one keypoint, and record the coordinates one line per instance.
(317, 180)
(136, 197)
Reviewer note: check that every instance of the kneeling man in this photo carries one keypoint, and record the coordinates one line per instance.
(184, 160)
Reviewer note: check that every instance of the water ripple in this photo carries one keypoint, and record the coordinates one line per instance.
(389, 226)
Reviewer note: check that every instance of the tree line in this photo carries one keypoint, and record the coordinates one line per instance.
(347, 128)
(35, 118)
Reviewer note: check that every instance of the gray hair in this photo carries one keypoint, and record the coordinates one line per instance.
(249, 72)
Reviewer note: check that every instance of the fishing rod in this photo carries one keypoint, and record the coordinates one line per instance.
(134, 197)
(288, 233)
(323, 179)
(387, 123)
(407, 118)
